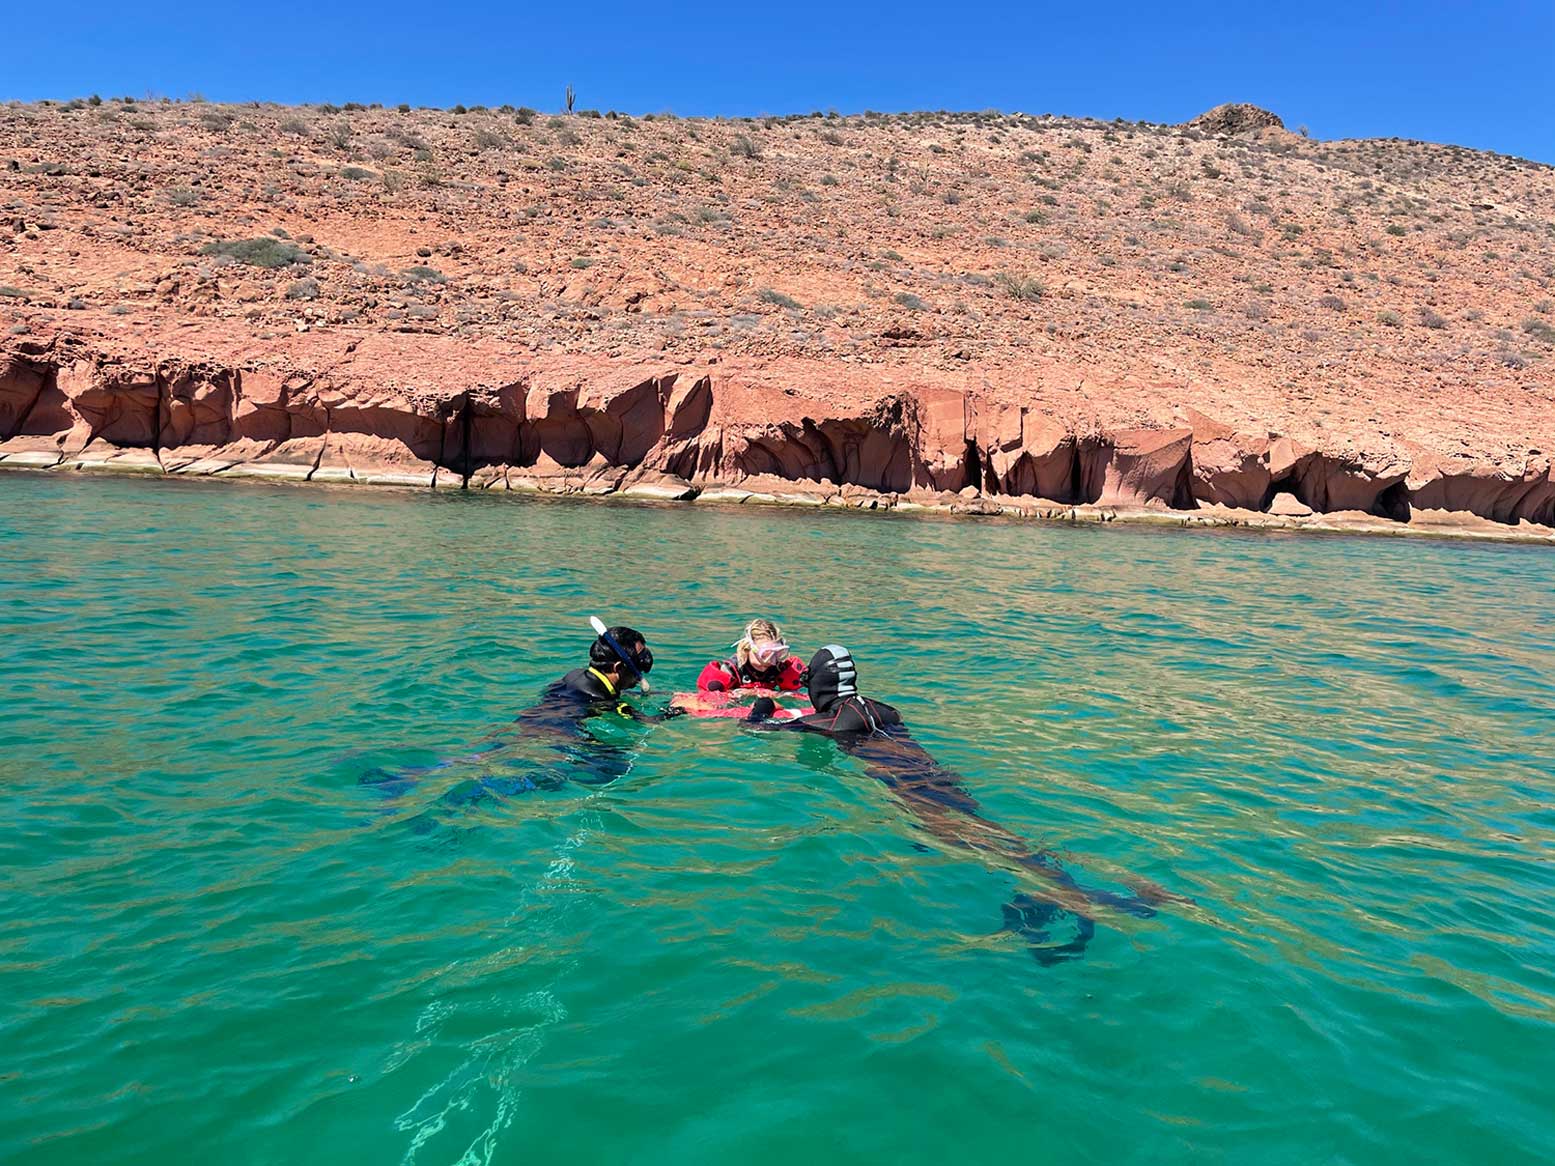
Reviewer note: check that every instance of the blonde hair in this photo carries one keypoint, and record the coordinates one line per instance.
(765, 630)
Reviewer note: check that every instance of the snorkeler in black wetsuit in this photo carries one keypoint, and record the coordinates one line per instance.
(875, 734)
(619, 660)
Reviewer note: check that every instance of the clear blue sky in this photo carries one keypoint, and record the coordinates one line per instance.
(1474, 74)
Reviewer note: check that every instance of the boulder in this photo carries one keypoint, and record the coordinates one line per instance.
(1287, 505)
(1229, 468)
(1024, 452)
(1137, 467)
(939, 426)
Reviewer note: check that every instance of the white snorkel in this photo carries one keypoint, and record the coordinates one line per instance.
(603, 633)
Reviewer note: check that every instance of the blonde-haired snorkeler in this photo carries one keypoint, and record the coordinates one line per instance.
(762, 659)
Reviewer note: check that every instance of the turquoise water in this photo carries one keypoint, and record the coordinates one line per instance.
(215, 945)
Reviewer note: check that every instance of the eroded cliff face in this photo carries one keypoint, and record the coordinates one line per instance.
(573, 424)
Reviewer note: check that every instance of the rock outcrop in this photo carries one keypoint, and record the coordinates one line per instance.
(1235, 117)
(567, 424)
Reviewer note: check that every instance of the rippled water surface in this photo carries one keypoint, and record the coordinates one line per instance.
(216, 945)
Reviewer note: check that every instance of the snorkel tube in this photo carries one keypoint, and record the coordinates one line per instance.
(603, 633)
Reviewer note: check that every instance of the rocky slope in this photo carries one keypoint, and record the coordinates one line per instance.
(988, 311)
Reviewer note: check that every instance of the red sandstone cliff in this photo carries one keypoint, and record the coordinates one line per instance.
(398, 412)
(993, 309)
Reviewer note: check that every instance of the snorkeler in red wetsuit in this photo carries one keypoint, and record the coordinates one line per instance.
(761, 659)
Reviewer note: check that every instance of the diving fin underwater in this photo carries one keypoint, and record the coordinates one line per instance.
(1044, 925)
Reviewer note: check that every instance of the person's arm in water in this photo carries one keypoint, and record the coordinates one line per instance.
(561, 716)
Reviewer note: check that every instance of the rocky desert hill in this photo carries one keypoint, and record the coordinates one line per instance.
(1006, 307)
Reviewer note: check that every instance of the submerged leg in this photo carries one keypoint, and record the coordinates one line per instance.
(1051, 869)
(475, 791)
(479, 789)
(393, 783)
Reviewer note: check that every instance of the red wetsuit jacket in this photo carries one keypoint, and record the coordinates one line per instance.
(726, 676)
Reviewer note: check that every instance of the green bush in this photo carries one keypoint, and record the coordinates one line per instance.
(769, 296)
(1389, 318)
(909, 301)
(1395, 229)
(1199, 305)
(1020, 287)
(423, 274)
(1539, 329)
(261, 252)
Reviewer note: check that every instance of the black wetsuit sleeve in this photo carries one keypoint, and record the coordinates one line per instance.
(760, 717)
(851, 718)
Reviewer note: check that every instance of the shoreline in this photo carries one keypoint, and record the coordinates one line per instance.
(1453, 526)
(418, 414)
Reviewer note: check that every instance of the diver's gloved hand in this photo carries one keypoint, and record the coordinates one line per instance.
(673, 710)
(762, 710)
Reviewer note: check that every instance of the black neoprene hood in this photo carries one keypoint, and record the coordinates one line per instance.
(832, 677)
